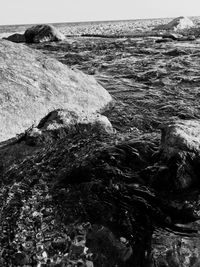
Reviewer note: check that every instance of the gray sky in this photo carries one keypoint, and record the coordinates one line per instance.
(39, 11)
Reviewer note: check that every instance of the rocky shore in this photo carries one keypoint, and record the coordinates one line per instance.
(102, 164)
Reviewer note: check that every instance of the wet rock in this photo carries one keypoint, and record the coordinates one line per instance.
(43, 33)
(60, 123)
(67, 119)
(180, 147)
(182, 135)
(16, 38)
(33, 84)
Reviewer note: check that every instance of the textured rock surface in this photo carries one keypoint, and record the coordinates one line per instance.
(180, 150)
(181, 135)
(32, 85)
(43, 33)
(60, 123)
(177, 24)
(67, 119)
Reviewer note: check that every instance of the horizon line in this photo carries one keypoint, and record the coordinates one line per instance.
(88, 21)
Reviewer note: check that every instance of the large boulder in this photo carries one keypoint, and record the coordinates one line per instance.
(32, 85)
(177, 24)
(16, 38)
(43, 33)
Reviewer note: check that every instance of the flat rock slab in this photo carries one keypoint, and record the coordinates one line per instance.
(32, 85)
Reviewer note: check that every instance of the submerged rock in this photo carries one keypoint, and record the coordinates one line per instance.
(16, 38)
(33, 84)
(43, 33)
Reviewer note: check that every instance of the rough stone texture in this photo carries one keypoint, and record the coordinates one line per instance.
(180, 150)
(60, 123)
(67, 118)
(177, 24)
(43, 33)
(32, 85)
(182, 135)
(16, 38)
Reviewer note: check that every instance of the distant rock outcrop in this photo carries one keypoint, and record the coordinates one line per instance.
(32, 85)
(177, 24)
(43, 33)
(16, 38)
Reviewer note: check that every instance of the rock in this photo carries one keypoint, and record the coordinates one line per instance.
(176, 52)
(169, 37)
(163, 40)
(177, 24)
(173, 36)
(32, 85)
(182, 135)
(187, 38)
(180, 149)
(67, 119)
(16, 38)
(43, 33)
(59, 123)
